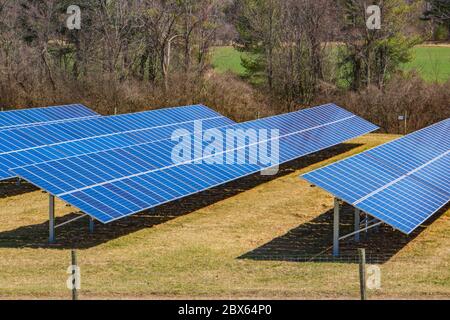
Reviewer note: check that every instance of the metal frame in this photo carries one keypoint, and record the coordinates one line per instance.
(53, 226)
(70, 221)
(369, 224)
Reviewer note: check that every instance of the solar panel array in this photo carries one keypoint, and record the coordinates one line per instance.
(15, 142)
(402, 183)
(42, 154)
(113, 184)
(35, 116)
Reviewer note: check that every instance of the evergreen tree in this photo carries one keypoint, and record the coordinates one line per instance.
(439, 11)
(370, 57)
(258, 25)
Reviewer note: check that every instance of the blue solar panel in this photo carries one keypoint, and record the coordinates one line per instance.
(113, 184)
(35, 116)
(402, 183)
(36, 136)
(37, 155)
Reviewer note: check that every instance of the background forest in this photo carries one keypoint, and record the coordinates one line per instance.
(137, 55)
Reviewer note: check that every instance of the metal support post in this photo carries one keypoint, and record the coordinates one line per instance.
(336, 228)
(91, 224)
(367, 225)
(357, 224)
(51, 219)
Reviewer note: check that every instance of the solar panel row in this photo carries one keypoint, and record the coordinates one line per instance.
(35, 116)
(113, 184)
(95, 144)
(49, 134)
(402, 183)
(113, 167)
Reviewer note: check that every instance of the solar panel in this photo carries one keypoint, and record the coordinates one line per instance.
(35, 116)
(117, 183)
(42, 154)
(402, 183)
(49, 134)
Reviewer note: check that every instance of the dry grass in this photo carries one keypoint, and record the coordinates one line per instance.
(194, 248)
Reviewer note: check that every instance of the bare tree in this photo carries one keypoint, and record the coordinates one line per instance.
(287, 40)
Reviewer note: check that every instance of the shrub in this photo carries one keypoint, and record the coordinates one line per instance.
(425, 103)
(441, 33)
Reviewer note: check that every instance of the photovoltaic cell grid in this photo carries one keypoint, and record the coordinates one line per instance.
(114, 184)
(42, 154)
(50, 134)
(402, 183)
(35, 116)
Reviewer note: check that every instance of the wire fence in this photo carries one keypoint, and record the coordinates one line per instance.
(205, 273)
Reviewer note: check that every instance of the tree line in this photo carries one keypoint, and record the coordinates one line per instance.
(297, 45)
(132, 55)
(121, 39)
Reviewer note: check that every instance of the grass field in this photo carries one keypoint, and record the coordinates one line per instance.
(227, 59)
(431, 62)
(236, 241)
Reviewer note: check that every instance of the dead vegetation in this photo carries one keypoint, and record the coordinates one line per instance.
(424, 103)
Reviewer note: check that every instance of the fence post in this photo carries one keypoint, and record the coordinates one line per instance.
(362, 273)
(74, 275)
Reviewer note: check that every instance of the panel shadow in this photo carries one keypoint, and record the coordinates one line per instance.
(313, 241)
(11, 188)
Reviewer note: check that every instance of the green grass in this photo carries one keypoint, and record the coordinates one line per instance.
(196, 255)
(432, 63)
(227, 59)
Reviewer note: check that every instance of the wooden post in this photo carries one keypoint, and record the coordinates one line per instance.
(74, 275)
(362, 273)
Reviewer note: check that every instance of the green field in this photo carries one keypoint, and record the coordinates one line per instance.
(235, 241)
(432, 63)
(227, 59)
